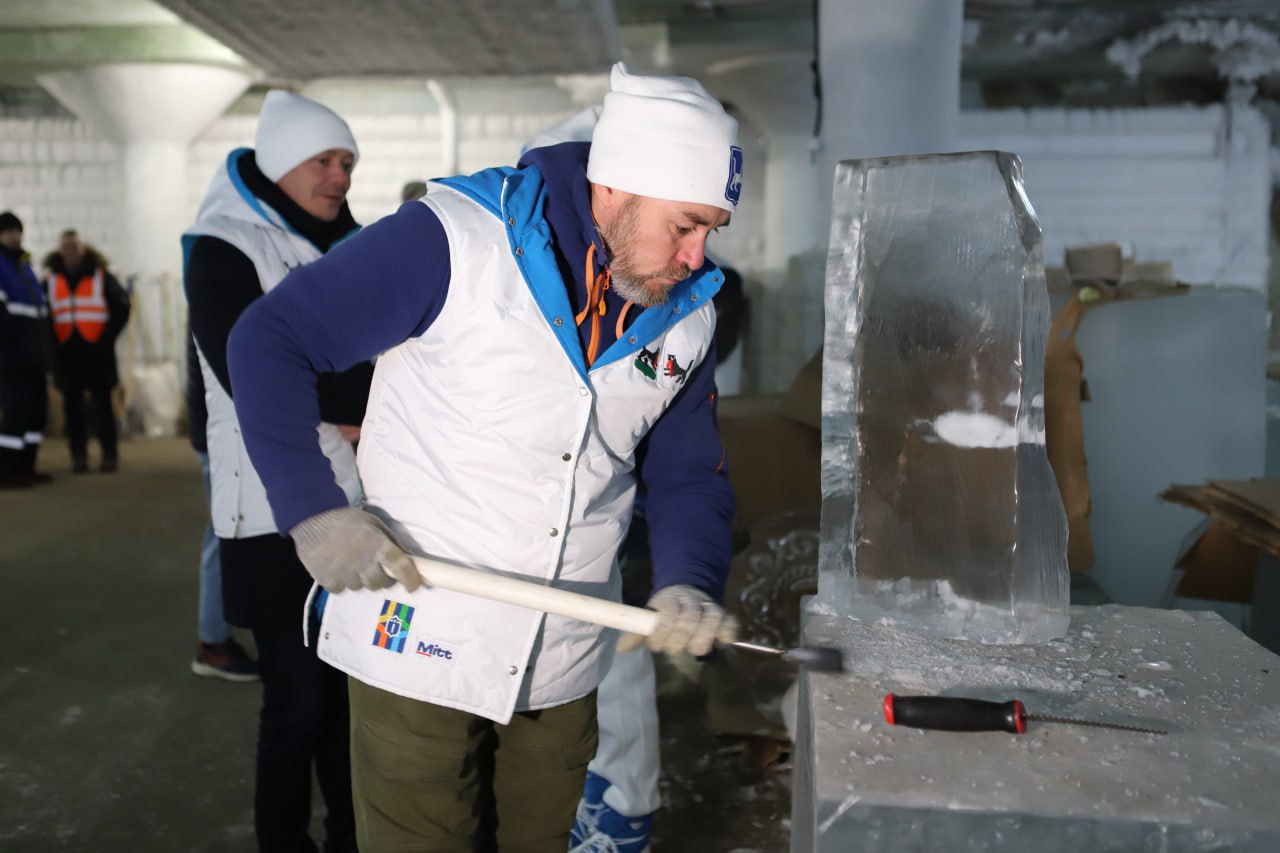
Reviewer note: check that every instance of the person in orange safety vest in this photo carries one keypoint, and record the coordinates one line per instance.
(89, 308)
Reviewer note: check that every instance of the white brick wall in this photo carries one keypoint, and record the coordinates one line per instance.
(57, 173)
(1187, 185)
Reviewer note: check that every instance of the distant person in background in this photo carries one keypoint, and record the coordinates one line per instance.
(89, 310)
(413, 191)
(218, 655)
(25, 359)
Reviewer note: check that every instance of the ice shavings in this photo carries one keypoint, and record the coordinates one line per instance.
(1207, 785)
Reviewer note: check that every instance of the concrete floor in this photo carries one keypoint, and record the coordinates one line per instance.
(111, 744)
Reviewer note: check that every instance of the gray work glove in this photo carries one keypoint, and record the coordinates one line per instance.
(689, 620)
(348, 548)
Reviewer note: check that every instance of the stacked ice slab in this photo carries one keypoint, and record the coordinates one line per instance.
(940, 511)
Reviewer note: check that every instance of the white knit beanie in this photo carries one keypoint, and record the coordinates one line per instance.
(293, 129)
(666, 137)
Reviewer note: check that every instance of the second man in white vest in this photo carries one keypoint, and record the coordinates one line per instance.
(269, 210)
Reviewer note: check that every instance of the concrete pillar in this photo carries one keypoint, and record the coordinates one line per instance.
(152, 111)
(890, 80)
(775, 93)
(890, 85)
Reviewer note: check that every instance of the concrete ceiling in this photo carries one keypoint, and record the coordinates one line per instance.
(1017, 51)
(302, 39)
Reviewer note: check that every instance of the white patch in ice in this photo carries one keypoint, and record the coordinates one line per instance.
(979, 429)
(1014, 399)
(974, 429)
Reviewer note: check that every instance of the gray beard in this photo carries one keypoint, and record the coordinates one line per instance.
(637, 293)
(617, 238)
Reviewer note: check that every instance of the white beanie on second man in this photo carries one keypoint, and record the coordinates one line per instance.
(293, 129)
(666, 137)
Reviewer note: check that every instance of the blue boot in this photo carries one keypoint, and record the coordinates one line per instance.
(600, 829)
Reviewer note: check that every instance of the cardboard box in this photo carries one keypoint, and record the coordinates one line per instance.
(774, 447)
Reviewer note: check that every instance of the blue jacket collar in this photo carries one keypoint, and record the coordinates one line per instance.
(519, 197)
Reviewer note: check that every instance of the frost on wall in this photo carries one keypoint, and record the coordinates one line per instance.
(940, 511)
(1241, 50)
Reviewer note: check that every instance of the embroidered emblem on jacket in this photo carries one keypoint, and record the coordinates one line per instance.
(647, 362)
(675, 371)
(393, 626)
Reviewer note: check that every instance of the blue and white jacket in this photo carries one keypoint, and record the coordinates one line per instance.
(25, 333)
(488, 440)
(238, 500)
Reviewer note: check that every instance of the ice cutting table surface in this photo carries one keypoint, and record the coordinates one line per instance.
(1213, 782)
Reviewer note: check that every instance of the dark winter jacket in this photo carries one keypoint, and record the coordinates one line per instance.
(26, 338)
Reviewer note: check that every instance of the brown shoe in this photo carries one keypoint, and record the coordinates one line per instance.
(226, 660)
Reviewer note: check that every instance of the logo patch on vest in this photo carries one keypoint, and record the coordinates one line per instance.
(393, 626)
(733, 189)
(433, 650)
(647, 362)
(674, 370)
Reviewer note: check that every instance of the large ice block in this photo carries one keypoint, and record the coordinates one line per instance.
(940, 510)
(1209, 784)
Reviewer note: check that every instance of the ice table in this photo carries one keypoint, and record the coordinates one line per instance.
(1212, 783)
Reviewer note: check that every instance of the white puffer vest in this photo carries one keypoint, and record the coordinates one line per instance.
(239, 500)
(488, 442)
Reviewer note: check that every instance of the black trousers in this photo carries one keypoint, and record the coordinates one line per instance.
(304, 722)
(73, 389)
(24, 399)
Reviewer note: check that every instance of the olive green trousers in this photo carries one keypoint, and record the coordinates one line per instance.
(431, 779)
